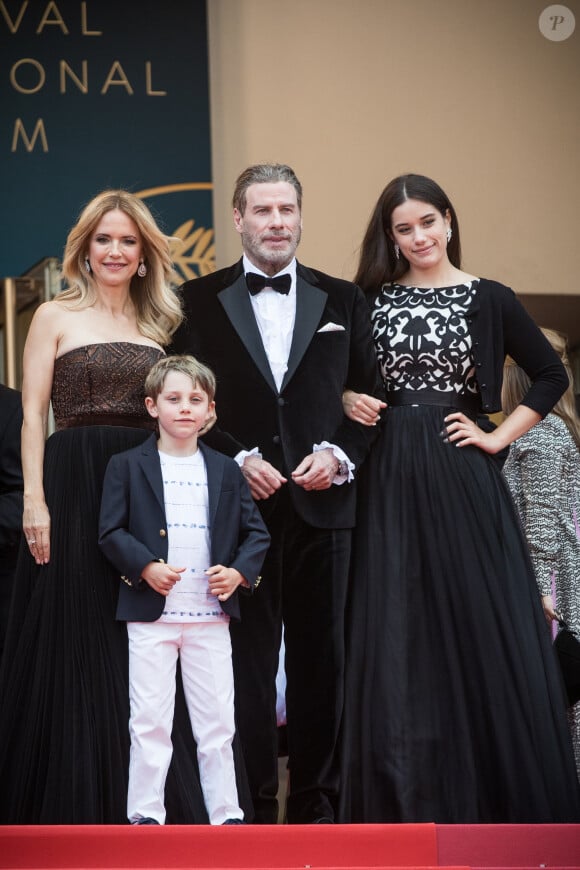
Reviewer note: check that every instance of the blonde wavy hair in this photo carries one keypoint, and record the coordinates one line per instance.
(516, 383)
(156, 303)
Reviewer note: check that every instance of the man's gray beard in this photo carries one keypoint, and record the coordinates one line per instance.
(272, 259)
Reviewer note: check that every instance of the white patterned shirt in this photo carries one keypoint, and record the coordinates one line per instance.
(188, 534)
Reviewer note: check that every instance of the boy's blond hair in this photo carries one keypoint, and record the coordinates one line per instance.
(201, 376)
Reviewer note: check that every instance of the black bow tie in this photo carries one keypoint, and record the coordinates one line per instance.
(257, 282)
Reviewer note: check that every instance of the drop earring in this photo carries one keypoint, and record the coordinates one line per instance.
(449, 234)
(397, 251)
(87, 265)
(142, 270)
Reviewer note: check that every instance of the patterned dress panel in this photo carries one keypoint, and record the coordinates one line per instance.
(422, 338)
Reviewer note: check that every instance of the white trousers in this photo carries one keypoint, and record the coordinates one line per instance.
(206, 667)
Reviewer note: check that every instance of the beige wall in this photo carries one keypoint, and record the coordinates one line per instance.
(354, 92)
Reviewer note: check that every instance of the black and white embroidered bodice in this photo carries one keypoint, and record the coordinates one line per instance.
(422, 338)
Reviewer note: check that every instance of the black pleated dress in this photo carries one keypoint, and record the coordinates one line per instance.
(454, 705)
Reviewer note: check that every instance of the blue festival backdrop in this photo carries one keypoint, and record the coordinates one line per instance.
(101, 94)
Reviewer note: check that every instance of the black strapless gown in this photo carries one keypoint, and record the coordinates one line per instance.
(64, 703)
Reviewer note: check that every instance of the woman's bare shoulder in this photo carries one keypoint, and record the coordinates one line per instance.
(53, 311)
(53, 322)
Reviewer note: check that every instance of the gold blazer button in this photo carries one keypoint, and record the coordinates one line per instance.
(163, 533)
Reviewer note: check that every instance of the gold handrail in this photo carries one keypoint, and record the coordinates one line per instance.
(20, 296)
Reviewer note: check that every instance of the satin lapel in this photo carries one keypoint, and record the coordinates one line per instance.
(310, 302)
(215, 473)
(151, 467)
(236, 303)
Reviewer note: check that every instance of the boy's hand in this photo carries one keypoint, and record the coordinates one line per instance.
(161, 577)
(224, 581)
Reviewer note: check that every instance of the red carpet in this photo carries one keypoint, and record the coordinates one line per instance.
(265, 846)
(501, 846)
(285, 847)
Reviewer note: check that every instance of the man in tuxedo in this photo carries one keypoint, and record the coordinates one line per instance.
(11, 494)
(283, 352)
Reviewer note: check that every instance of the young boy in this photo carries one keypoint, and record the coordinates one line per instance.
(170, 508)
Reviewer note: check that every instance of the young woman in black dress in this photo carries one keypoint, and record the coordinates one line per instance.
(454, 705)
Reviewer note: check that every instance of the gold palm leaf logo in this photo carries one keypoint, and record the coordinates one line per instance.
(193, 250)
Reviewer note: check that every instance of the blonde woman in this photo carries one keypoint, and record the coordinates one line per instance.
(64, 696)
(543, 473)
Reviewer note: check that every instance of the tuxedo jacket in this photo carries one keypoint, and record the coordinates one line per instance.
(133, 527)
(11, 482)
(331, 349)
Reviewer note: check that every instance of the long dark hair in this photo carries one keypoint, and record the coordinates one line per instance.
(377, 263)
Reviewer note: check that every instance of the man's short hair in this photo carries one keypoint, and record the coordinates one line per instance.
(264, 173)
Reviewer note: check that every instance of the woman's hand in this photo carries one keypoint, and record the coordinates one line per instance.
(36, 526)
(362, 408)
(549, 611)
(462, 431)
(209, 423)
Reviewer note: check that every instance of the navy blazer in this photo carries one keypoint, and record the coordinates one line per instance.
(133, 526)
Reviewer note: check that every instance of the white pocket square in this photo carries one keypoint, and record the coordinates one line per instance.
(331, 327)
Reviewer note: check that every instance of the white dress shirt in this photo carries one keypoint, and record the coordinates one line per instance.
(275, 315)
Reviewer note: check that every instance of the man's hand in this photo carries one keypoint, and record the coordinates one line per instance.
(263, 479)
(316, 471)
(161, 577)
(223, 581)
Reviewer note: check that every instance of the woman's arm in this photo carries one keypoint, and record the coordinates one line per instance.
(38, 366)
(539, 467)
(462, 431)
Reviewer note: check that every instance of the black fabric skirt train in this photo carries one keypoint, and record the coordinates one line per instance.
(454, 703)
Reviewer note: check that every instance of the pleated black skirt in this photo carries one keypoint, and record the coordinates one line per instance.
(454, 703)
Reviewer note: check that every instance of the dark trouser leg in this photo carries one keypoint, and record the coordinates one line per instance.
(255, 649)
(314, 596)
